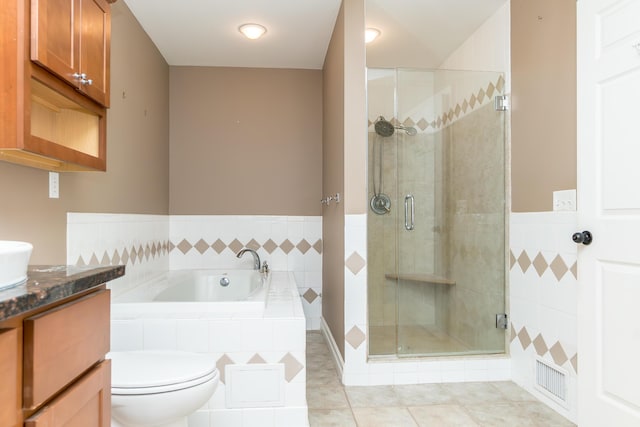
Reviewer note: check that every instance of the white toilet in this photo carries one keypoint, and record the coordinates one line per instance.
(159, 388)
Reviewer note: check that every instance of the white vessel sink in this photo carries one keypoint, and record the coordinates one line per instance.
(14, 258)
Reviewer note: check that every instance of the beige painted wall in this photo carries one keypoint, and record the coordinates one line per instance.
(355, 109)
(543, 115)
(333, 174)
(245, 141)
(137, 178)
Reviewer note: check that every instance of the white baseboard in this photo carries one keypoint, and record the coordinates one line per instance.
(335, 351)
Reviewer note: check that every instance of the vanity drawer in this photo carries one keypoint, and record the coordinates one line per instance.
(62, 343)
(86, 403)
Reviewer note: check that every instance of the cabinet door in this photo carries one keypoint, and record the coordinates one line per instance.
(9, 389)
(94, 48)
(87, 403)
(55, 41)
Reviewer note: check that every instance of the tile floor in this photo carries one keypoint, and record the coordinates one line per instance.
(457, 404)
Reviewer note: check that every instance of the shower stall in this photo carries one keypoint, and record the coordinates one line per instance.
(436, 218)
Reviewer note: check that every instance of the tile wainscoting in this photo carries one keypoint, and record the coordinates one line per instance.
(543, 301)
(150, 245)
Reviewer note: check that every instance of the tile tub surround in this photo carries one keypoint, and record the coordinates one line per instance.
(140, 242)
(47, 284)
(276, 336)
(543, 299)
(287, 243)
(443, 405)
(150, 245)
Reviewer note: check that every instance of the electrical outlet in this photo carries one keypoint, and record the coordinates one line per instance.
(54, 185)
(564, 200)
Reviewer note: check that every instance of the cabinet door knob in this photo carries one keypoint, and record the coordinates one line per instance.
(585, 237)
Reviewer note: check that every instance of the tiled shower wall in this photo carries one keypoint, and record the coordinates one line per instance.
(152, 244)
(544, 294)
(472, 230)
(455, 169)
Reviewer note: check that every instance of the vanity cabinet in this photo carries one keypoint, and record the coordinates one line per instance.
(54, 84)
(53, 367)
(71, 39)
(10, 389)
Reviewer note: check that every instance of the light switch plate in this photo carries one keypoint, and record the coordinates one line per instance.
(54, 185)
(564, 200)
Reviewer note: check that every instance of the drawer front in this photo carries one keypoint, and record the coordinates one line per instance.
(87, 403)
(61, 344)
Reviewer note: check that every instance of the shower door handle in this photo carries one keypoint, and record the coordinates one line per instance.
(409, 213)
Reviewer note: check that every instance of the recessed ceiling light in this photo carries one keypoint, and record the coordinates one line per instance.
(370, 34)
(252, 31)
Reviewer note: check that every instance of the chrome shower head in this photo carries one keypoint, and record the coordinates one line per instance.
(385, 128)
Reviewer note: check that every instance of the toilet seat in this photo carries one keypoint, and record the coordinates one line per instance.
(152, 372)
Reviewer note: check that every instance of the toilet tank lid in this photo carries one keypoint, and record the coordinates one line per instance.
(138, 369)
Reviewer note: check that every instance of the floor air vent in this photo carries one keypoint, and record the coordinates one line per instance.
(552, 381)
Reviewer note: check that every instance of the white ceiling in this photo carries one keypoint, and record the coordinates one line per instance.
(205, 32)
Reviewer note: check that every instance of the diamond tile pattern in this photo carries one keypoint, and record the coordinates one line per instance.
(184, 246)
(236, 245)
(558, 266)
(219, 246)
(524, 262)
(475, 100)
(355, 263)
(557, 351)
(221, 363)
(139, 255)
(256, 359)
(270, 246)
(253, 244)
(291, 366)
(525, 339)
(303, 246)
(540, 345)
(201, 246)
(286, 246)
(355, 337)
(540, 264)
(310, 296)
(558, 354)
(574, 269)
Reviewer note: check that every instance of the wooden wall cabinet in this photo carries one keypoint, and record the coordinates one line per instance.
(50, 119)
(53, 367)
(71, 39)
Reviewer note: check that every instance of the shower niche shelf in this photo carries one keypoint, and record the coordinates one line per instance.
(423, 278)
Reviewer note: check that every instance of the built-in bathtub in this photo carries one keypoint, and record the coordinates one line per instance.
(252, 324)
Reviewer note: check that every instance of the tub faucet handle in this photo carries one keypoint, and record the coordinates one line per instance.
(265, 267)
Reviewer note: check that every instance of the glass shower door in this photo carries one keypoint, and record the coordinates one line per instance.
(450, 213)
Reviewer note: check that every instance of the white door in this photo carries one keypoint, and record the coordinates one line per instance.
(609, 207)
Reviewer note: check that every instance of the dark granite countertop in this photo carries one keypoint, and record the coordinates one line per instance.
(48, 284)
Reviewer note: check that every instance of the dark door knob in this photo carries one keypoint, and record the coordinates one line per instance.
(585, 237)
